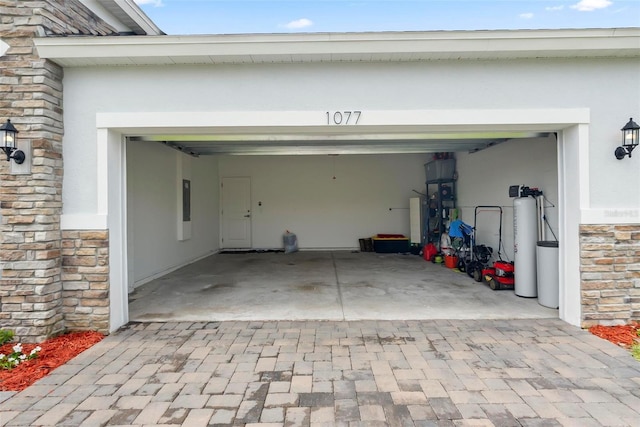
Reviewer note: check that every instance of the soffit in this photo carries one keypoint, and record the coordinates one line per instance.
(340, 47)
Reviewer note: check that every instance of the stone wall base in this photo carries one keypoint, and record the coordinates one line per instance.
(610, 274)
(85, 280)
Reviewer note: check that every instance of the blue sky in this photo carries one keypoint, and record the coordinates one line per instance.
(282, 16)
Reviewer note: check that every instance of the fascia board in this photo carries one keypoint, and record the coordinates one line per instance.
(347, 46)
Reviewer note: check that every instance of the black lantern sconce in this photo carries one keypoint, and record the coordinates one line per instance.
(630, 139)
(8, 136)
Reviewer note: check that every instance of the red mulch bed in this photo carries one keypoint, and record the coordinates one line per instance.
(623, 335)
(55, 352)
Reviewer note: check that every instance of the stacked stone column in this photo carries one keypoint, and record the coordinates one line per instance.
(31, 288)
(610, 274)
(30, 204)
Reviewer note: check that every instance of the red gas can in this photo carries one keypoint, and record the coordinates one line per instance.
(429, 251)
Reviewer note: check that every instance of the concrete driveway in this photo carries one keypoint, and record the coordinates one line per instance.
(363, 373)
(323, 285)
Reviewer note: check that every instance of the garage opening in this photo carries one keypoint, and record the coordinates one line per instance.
(245, 192)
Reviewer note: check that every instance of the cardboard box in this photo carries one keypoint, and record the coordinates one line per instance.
(439, 170)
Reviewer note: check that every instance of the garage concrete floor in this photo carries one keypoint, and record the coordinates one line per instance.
(327, 285)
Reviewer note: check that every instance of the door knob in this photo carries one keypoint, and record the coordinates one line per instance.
(247, 216)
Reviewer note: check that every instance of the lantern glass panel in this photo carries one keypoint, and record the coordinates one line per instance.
(630, 134)
(9, 139)
(8, 135)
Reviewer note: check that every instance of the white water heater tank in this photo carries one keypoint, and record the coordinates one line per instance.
(525, 236)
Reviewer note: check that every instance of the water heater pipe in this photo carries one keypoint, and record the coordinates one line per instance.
(541, 225)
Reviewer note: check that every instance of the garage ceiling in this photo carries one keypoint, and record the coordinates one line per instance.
(270, 144)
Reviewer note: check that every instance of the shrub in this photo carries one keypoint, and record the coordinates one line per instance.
(5, 336)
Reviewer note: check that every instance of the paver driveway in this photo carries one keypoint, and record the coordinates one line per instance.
(365, 373)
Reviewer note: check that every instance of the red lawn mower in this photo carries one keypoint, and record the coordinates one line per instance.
(499, 275)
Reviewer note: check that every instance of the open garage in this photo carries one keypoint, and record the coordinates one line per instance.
(244, 195)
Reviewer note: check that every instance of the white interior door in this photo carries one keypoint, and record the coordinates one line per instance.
(236, 213)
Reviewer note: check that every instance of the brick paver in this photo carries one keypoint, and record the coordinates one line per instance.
(366, 373)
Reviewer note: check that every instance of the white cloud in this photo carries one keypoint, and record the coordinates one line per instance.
(553, 8)
(526, 15)
(155, 3)
(590, 5)
(299, 23)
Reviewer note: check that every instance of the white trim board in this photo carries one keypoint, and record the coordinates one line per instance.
(611, 216)
(83, 222)
(370, 121)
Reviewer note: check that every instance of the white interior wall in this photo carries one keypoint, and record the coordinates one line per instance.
(299, 194)
(485, 177)
(152, 212)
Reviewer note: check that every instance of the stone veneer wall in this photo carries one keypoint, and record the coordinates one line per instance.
(85, 280)
(610, 274)
(31, 288)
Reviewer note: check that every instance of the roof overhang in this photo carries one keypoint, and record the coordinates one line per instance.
(339, 47)
(130, 15)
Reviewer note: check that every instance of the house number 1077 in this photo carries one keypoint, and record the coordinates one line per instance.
(343, 117)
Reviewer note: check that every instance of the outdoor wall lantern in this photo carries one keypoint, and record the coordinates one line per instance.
(8, 134)
(630, 139)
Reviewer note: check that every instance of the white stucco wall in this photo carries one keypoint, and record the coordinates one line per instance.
(298, 193)
(523, 84)
(484, 179)
(589, 98)
(152, 210)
